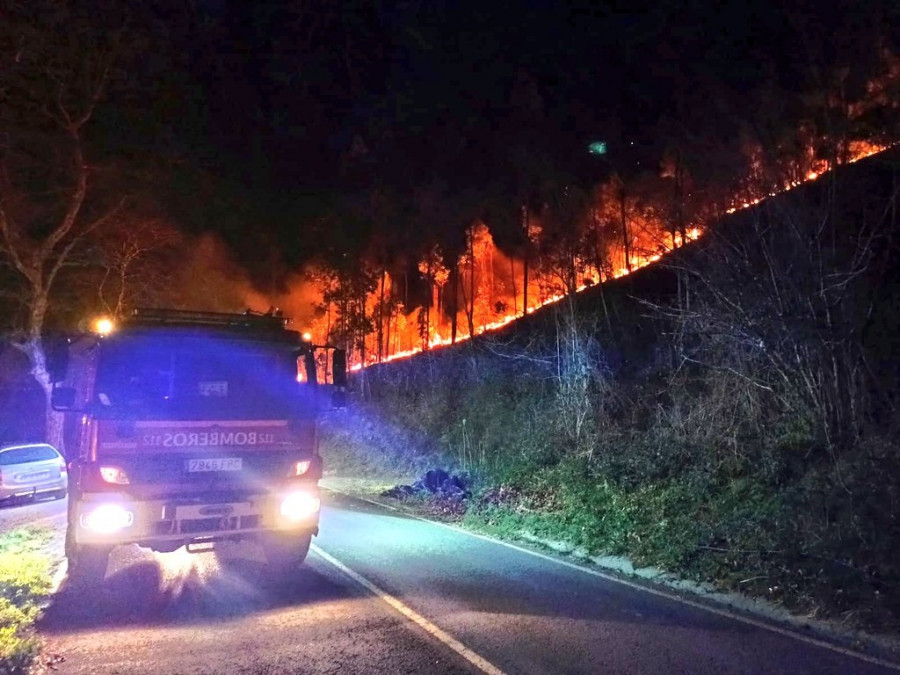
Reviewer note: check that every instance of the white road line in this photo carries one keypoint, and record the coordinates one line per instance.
(646, 589)
(454, 644)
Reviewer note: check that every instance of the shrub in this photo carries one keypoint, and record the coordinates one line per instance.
(17, 651)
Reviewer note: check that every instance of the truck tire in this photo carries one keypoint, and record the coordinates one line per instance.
(87, 564)
(285, 553)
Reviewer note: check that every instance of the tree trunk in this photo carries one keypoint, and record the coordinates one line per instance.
(470, 319)
(490, 271)
(361, 304)
(454, 301)
(526, 224)
(679, 201)
(428, 318)
(37, 357)
(625, 232)
(387, 332)
(432, 286)
(470, 305)
(598, 248)
(381, 318)
(515, 291)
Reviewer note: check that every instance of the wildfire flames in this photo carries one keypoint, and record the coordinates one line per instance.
(568, 247)
(494, 288)
(856, 150)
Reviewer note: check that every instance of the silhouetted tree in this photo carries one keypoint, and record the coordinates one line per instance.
(57, 62)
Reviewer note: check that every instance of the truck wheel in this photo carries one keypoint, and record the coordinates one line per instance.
(87, 564)
(284, 554)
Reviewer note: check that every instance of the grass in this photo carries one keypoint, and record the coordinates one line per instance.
(24, 586)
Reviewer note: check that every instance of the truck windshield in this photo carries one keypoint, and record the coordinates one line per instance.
(197, 378)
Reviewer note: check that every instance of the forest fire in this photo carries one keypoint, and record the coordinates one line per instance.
(428, 265)
(490, 288)
(856, 151)
(568, 238)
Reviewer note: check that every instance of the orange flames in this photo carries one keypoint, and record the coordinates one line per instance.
(491, 283)
(570, 246)
(856, 151)
(491, 290)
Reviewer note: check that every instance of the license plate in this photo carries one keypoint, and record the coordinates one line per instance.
(214, 464)
(22, 477)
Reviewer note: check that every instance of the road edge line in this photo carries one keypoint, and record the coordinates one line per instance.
(448, 640)
(757, 623)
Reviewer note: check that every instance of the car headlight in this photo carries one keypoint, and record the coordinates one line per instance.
(299, 505)
(107, 518)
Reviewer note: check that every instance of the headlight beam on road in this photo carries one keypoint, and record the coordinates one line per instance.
(482, 664)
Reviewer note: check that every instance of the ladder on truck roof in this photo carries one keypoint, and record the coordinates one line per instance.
(249, 320)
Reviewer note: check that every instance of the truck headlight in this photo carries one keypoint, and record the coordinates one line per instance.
(107, 518)
(299, 505)
(114, 474)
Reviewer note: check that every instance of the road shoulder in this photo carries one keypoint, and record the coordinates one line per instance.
(883, 649)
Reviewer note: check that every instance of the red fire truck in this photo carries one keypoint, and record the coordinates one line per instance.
(191, 428)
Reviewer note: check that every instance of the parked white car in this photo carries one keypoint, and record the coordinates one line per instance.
(32, 469)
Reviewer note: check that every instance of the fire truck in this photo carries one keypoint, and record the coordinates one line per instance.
(190, 429)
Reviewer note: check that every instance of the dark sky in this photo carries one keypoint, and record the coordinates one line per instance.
(293, 100)
(294, 77)
(289, 75)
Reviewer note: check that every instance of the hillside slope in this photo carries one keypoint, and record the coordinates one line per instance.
(729, 414)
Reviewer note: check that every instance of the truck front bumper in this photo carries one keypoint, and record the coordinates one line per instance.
(166, 524)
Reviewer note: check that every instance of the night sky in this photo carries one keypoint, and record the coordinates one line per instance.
(290, 84)
(268, 115)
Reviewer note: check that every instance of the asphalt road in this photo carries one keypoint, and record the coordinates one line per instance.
(18, 513)
(385, 593)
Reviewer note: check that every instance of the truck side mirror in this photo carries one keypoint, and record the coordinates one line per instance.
(62, 398)
(339, 368)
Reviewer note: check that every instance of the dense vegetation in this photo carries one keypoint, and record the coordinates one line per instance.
(729, 414)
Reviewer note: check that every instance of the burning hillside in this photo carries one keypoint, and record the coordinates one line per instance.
(484, 287)
(570, 238)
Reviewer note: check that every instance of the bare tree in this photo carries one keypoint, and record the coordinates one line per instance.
(51, 200)
(136, 264)
(783, 302)
(435, 273)
(566, 249)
